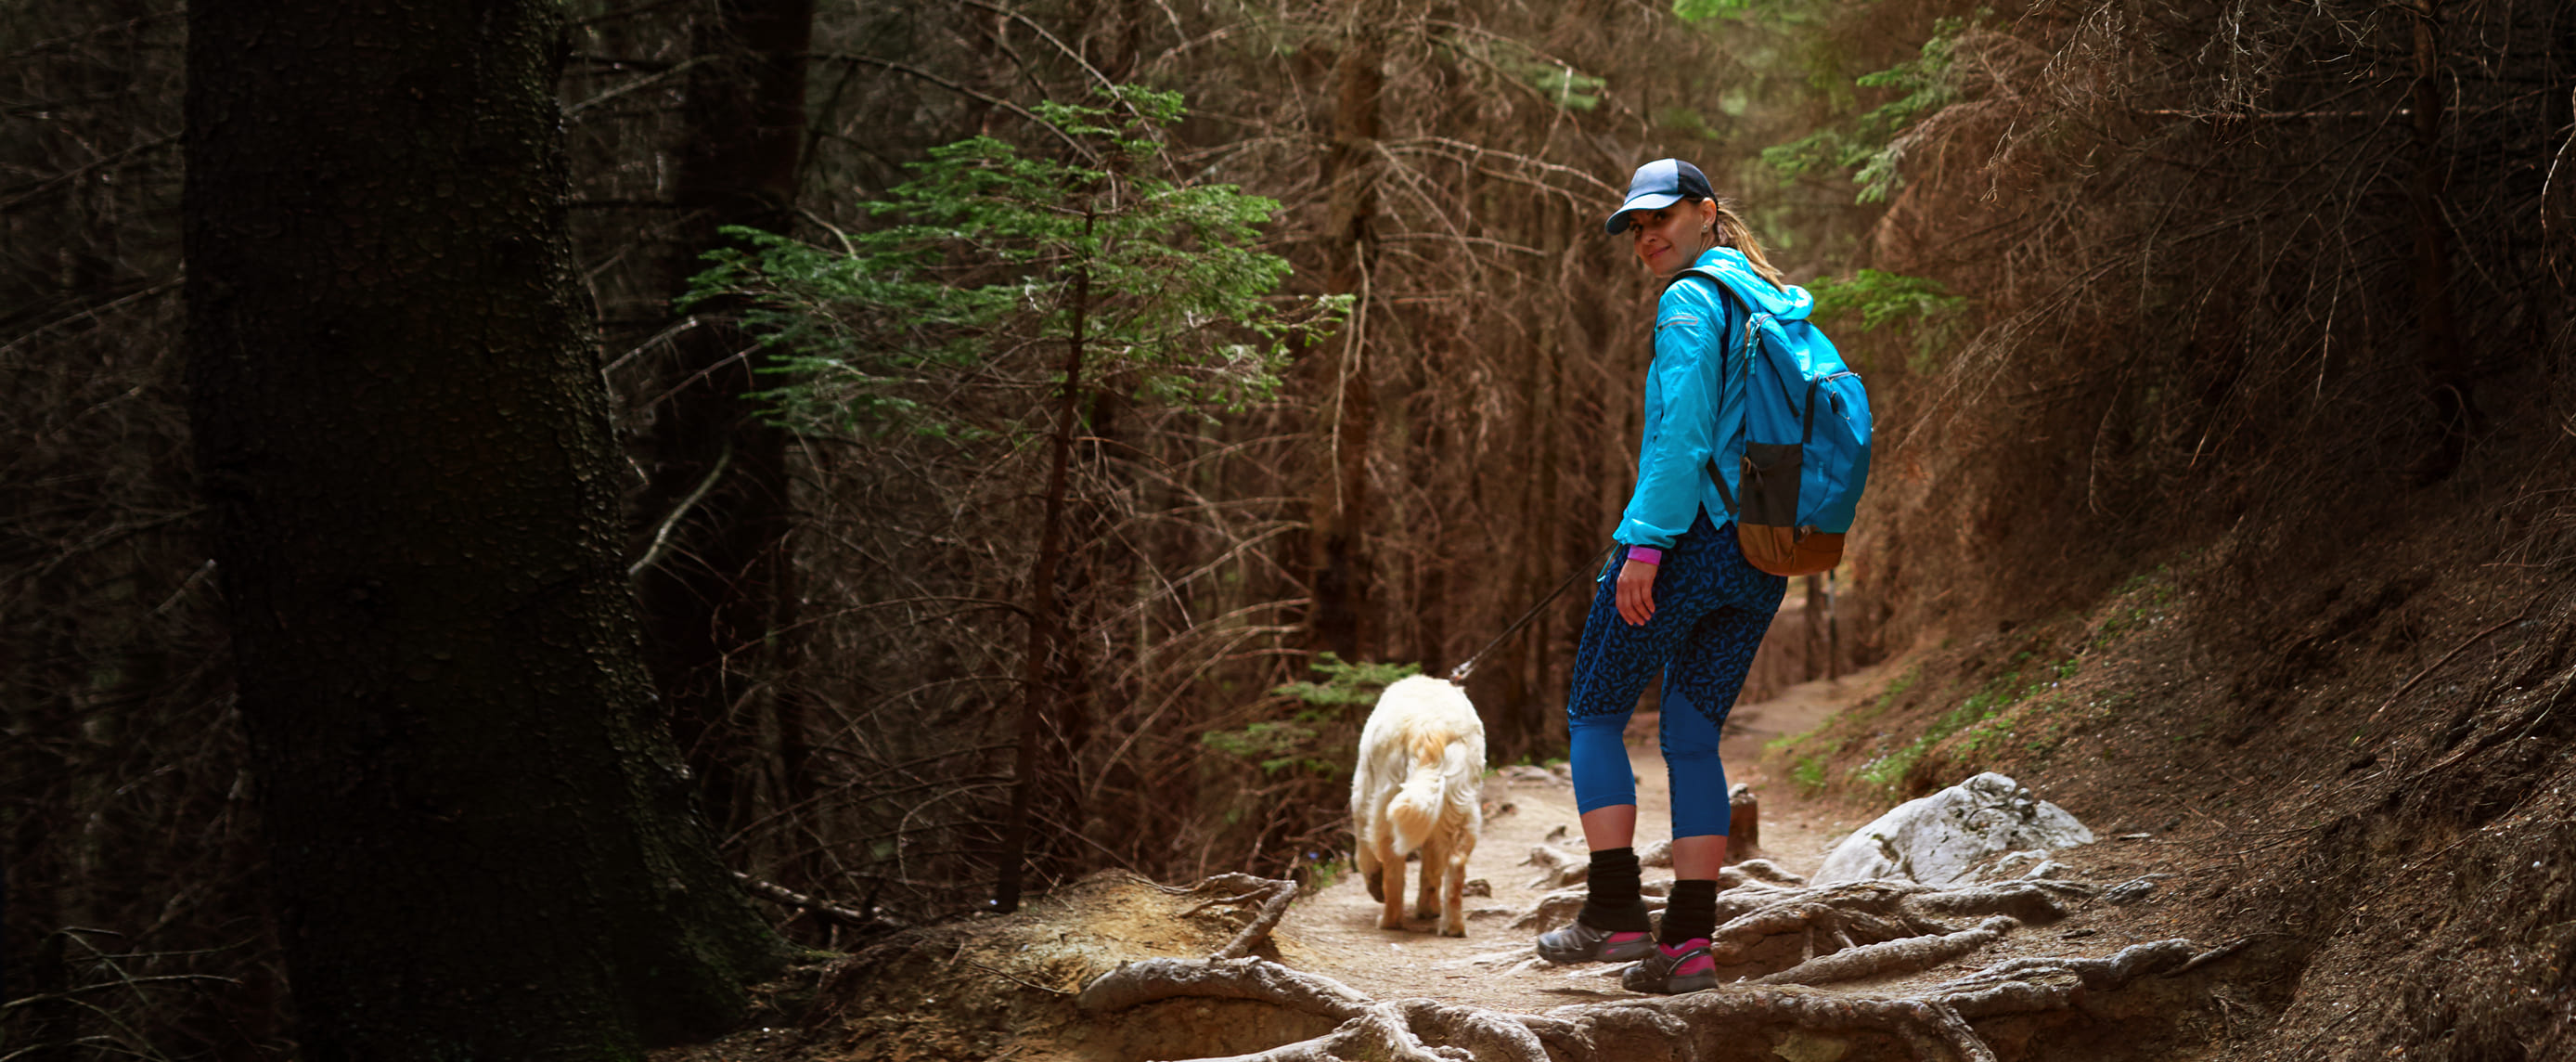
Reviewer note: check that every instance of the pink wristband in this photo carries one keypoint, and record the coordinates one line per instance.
(1645, 554)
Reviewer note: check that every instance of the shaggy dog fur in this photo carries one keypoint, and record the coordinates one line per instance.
(1418, 786)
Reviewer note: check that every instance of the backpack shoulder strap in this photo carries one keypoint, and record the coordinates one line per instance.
(1742, 305)
(1745, 303)
(1715, 474)
(1715, 281)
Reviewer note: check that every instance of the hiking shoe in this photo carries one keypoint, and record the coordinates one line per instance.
(1673, 970)
(1581, 943)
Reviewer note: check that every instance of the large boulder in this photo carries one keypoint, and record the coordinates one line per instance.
(1937, 839)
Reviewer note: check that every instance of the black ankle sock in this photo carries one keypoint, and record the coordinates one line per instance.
(1690, 912)
(1611, 900)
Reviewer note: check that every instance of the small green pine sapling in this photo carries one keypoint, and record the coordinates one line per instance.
(996, 259)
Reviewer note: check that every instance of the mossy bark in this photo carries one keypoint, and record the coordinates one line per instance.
(481, 840)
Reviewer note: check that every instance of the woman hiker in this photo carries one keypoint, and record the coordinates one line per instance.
(1684, 602)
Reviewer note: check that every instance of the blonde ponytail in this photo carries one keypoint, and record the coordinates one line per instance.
(1733, 232)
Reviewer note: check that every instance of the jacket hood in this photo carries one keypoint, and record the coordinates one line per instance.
(1730, 264)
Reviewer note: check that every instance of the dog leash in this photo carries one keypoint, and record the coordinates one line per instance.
(1458, 675)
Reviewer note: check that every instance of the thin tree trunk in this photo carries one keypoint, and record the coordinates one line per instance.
(1046, 627)
(2446, 374)
(1819, 641)
(1338, 557)
(480, 847)
(717, 596)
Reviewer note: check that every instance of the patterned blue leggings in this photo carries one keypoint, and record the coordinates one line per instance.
(1711, 610)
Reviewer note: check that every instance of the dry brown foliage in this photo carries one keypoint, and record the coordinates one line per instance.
(2195, 239)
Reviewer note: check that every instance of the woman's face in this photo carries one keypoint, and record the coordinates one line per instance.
(1669, 238)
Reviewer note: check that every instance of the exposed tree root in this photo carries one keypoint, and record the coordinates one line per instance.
(1379, 1033)
(1841, 933)
(1273, 894)
(1248, 978)
(1558, 868)
(1485, 1035)
(1765, 927)
(1834, 918)
(1934, 1023)
(2019, 986)
(1406, 1029)
(1905, 956)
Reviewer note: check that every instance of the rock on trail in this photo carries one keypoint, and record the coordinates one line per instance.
(1940, 839)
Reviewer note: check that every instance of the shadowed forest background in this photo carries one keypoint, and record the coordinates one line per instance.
(2244, 289)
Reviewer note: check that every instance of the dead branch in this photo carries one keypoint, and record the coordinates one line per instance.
(1273, 894)
(827, 910)
(12, 198)
(637, 85)
(2212, 955)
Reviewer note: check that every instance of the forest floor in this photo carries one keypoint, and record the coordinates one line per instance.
(2334, 820)
(1004, 987)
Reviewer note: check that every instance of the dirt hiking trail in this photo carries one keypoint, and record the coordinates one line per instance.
(1334, 930)
(1114, 967)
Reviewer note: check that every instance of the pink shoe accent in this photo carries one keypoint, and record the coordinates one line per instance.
(1694, 966)
(1626, 938)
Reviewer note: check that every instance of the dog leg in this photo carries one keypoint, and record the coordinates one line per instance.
(1435, 864)
(1390, 864)
(1366, 858)
(1453, 889)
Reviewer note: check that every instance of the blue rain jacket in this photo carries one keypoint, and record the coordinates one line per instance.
(1694, 403)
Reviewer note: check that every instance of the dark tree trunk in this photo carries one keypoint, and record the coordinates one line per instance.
(2445, 370)
(1338, 555)
(482, 846)
(720, 597)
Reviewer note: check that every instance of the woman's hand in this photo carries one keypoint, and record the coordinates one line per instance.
(1637, 592)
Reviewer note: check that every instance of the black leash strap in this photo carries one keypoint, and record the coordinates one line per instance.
(1459, 674)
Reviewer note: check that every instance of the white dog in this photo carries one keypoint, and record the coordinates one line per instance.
(1420, 779)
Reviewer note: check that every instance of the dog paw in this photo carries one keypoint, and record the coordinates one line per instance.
(1448, 930)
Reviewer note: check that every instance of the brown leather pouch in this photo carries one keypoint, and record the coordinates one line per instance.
(1789, 550)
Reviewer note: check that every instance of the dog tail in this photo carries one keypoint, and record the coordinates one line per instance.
(1440, 776)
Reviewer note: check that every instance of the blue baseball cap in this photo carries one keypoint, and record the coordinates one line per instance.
(1660, 184)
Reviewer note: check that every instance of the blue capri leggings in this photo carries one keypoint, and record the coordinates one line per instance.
(1711, 610)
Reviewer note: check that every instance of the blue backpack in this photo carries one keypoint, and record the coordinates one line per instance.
(1805, 445)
